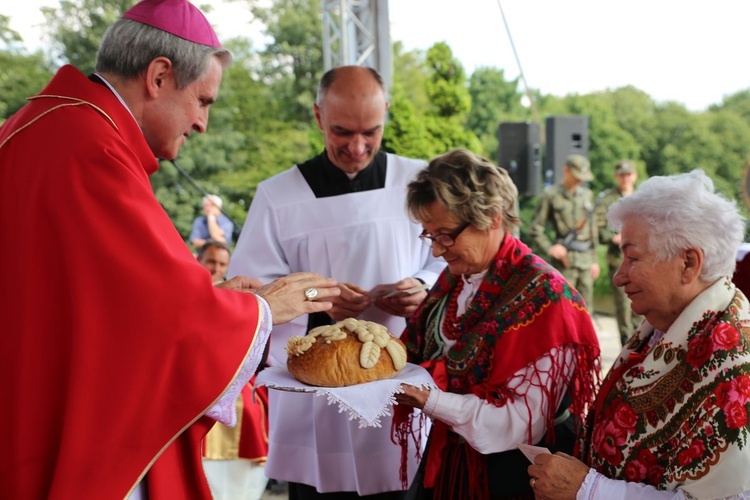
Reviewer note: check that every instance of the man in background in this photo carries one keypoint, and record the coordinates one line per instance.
(214, 256)
(341, 214)
(567, 209)
(625, 176)
(212, 224)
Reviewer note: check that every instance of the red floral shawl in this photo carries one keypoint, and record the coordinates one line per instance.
(522, 310)
(676, 416)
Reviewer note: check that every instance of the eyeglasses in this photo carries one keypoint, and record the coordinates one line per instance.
(444, 240)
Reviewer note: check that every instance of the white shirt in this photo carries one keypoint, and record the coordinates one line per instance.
(365, 238)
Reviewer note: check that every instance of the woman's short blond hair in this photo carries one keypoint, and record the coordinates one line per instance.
(469, 186)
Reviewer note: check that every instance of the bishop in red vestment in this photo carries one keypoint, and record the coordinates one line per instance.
(114, 343)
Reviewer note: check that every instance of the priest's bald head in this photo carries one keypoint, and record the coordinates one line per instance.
(166, 62)
(350, 110)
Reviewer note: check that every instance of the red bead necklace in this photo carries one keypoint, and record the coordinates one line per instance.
(450, 319)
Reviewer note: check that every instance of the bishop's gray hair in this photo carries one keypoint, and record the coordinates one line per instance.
(128, 47)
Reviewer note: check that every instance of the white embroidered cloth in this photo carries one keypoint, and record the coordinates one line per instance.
(366, 402)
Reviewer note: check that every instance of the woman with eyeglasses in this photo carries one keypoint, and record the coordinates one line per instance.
(507, 340)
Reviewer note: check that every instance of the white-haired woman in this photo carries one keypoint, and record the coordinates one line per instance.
(671, 418)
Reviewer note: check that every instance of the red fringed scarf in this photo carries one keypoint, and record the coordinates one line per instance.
(523, 309)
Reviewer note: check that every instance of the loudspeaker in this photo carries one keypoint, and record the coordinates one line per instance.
(520, 153)
(565, 136)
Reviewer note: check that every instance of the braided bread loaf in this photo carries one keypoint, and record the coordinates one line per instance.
(347, 353)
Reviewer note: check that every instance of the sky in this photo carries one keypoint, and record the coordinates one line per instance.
(689, 51)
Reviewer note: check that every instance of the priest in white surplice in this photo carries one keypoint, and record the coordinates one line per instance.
(341, 214)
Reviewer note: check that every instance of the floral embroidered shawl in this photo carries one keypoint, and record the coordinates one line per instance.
(522, 310)
(678, 419)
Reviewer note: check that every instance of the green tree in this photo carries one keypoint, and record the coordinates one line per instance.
(608, 142)
(8, 36)
(493, 100)
(738, 102)
(683, 141)
(263, 122)
(25, 76)
(446, 85)
(411, 72)
(732, 132)
(405, 131)
(293, 60)
(271, 144)
(77, 27)
(635, 113)
(245, 144)
(450, 102)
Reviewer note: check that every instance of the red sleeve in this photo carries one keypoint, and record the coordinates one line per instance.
(114, 338)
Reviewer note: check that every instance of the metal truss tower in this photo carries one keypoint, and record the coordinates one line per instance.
(357, 32)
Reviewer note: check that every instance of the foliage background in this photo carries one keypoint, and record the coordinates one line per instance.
(263, 122)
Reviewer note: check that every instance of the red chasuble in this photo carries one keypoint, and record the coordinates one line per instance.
(114, 342)
(249, 438)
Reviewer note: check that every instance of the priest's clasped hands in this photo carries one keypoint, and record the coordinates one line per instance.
(354, 300)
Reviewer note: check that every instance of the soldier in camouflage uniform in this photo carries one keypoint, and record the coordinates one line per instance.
(625, 176)
(568, 208)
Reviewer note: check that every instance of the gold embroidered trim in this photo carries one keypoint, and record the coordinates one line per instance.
(77, 102)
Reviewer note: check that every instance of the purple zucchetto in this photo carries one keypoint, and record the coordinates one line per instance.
(178, 17)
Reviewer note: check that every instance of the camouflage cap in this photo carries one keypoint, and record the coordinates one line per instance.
(624, 167)
(580, 167)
